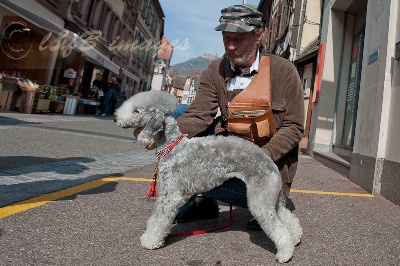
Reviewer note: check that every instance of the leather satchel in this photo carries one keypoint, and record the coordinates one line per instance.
(250, 112)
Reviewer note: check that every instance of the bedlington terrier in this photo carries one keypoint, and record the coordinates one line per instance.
(200, 164)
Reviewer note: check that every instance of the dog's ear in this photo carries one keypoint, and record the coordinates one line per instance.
(156, 123)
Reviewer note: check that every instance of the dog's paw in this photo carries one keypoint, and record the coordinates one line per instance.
(149, 242)
(283, 257)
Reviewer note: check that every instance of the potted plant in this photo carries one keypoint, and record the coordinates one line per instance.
(3, 37)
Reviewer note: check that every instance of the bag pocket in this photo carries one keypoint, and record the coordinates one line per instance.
(239, 128)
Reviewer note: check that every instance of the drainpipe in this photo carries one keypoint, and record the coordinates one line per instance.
(303, 14)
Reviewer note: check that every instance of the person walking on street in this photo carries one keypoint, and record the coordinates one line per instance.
(105, 109)
(116, 93)
(242, 31)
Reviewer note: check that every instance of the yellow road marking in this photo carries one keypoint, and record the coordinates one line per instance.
(43, 199)
(333, 193)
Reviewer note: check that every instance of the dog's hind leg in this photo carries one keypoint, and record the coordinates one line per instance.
(261, 201)
(159, 223)
(289, 219)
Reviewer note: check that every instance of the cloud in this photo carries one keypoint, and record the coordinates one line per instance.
(195, 21)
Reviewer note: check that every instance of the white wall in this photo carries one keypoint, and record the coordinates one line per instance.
(393, 81)
(374, 99)
(311, 25)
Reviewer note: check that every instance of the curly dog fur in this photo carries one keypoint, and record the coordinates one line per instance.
(198, 165)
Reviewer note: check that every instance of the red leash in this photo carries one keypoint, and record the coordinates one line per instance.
(152, 192)
(200, 232)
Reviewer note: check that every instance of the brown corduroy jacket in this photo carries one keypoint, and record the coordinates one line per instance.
(287, 104)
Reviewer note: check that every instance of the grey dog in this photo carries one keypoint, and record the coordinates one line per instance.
(200, 164)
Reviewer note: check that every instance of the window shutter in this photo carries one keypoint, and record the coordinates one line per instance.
(278, 21)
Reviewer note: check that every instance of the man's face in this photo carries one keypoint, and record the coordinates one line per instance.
(241, 48)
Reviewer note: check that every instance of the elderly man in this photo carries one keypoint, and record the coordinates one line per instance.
(242, 31)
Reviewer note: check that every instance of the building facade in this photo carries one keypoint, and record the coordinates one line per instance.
(161, 65)
(292, 31)
(347, 53)
(354, 115)
(93, 39)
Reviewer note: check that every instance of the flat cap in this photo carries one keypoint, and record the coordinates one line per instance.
(240, 19)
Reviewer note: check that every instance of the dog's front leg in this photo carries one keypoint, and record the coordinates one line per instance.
(159, 223)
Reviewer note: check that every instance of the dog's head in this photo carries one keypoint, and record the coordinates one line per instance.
(146, 112)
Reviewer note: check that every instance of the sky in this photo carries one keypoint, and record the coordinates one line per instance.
(189, 26)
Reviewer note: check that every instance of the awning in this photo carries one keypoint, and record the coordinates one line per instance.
(80, 44)
(95, 55)
(32, 18)
(130, 75)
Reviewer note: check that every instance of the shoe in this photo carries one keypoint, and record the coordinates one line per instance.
(253, 225)
(103, 115)
(290, 205)
(197, 208)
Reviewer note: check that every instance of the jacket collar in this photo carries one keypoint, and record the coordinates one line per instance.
(229, 72)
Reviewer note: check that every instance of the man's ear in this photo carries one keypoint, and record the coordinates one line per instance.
(156, 123)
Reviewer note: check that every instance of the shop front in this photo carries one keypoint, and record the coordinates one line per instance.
(56, 62)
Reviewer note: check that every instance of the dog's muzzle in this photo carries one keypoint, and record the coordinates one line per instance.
(120, 123)
(149, 146)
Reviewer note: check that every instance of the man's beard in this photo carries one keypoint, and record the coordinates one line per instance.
(241, 60)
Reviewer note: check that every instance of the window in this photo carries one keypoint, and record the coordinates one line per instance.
(107, 14)
(56, 3)
(94, 19)
(270, 41)
(145, 8)
(89, 11)
(288, 12)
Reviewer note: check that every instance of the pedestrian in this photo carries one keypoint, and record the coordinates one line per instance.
(105, 105)
(100, 96)
(242, 31)
(116, 93)
(96, 92)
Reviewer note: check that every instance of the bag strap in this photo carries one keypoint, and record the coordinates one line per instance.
(258, 92)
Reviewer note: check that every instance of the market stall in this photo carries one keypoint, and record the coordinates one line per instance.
(25, 96)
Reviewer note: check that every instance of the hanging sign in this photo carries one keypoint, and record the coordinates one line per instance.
(70, 73)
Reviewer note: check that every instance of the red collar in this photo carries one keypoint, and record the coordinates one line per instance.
(161, 153)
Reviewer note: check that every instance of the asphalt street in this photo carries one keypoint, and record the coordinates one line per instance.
(73, 192)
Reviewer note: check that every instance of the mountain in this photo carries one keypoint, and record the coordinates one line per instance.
(193, 65)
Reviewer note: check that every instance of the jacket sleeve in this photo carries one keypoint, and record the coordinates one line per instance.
(200, 115)
(289, 121)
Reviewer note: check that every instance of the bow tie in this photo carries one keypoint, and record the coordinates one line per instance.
(246, 73)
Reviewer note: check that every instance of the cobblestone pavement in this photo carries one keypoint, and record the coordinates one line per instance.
(23, 177)
(17, 184)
